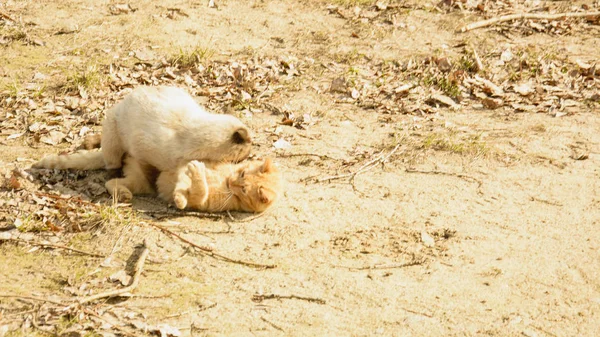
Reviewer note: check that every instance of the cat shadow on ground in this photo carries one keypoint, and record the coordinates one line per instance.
(89, 186)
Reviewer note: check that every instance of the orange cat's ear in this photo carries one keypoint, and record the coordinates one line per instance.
(268, 166)
(265, 196)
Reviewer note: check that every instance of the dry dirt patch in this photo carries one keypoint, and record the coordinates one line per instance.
(438, 183)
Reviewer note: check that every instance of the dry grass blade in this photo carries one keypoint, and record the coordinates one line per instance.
(520, 16)
(177, 212)
(380, 158)
(260, 298)
(415, 262)
(48, 245)
(33, 298)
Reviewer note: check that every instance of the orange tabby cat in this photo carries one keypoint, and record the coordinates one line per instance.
(248, 187)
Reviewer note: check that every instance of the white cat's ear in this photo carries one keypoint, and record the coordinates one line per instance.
(241, 136)
(268, 166)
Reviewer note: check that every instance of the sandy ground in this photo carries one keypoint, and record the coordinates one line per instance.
(494, 233)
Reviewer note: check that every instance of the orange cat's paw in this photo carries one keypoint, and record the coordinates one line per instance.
(180, 200)
(196, 169)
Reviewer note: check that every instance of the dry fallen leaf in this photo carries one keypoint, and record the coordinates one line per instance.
(444, 101)
(282, 144)
(492, 103)
(53, 138)
(339, 85)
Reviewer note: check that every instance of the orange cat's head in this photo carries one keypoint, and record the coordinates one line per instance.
(256, 185)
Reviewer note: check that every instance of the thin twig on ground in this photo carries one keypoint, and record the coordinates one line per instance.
(33, 298)
(260, 298)
(418, 312)
(7, 17)
(531, 16)
(458, 175)
(320, 156)
(277, 327)
(477, 60)
(208, 251)
(139, 266)
(48, 245)
(248, 218)
(380, 158)
(178, 212)
(187, 312)
(415, 262)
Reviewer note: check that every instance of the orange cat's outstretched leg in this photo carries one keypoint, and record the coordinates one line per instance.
(191, 184)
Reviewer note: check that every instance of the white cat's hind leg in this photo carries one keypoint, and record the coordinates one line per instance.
(112, 149)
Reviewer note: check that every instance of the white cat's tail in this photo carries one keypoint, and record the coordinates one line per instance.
(83, 160)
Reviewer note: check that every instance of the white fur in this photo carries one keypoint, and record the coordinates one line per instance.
(165, 127)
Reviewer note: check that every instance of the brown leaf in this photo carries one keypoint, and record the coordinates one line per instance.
(13, 181)
(443, 64)
(492, 103)
(443, 100)
(339, 85)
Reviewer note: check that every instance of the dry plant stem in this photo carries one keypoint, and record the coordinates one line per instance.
(183, 213)
(458, 175)
(6, 16)
(392, 265)
(191, 311)
(47, 245)
(249, 218)
(477, 60)
(211, 253)
(532, 16)
(320, 156)
(381, 158)
(32, 298)
(139, 266)
(260, 298)
(271, 324)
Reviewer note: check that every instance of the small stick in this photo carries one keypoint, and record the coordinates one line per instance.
(139, 266)
(458, 175)
(7, 17)
(477, 60)
(381, 158)
(32, 298)
(203, 308)
(321, 156)
(532, 16)
(183, 213)
(415, 262)
(208, 251)
(260, 298)
(48, 245)
(271, 324)
(248, 218)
